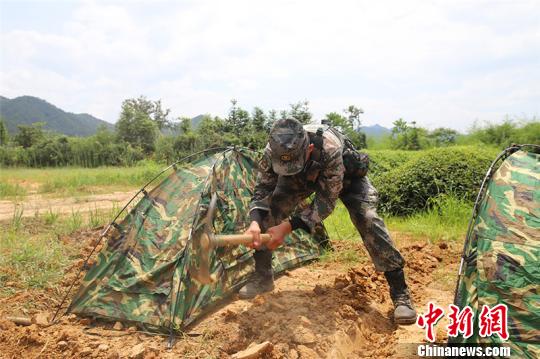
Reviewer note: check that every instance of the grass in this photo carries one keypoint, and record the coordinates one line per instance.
(447, 220)
(31, 254)
(11, 190)
(71, 181)
(51, 217)
(16, 219)
(31, 261)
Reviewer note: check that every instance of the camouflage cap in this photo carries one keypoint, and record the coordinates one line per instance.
(288, 142)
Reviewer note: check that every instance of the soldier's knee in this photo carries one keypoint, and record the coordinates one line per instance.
(369, 217)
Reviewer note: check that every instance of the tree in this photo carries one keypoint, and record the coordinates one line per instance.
(400, 126)
(238, 119)
(443, 136)
(345, 125)
(353, 114)
(272, 117)
(152, 109)
(4, 136)
(339, 121)
(103, 135)
(28, 136)
(259, 120)
(300, 112)
(185, 125)
(210, 132)
(414, 140)
(136, 126)
(405, 137)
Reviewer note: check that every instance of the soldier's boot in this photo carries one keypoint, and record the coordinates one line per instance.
(263, 279)
(404, 311)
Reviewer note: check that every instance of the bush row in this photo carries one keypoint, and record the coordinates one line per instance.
(407, 184)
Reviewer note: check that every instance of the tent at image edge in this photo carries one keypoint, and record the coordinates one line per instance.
(144, 273)
(501, 257)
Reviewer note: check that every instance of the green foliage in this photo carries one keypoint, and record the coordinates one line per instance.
(408, 137)
(185, 125)
(300, 112)
(56, 150)
(238, 120)
(506, 133)
(259, 119)
(4, 135)
(442, 137)
(353, 114)
(382, 161)
(454, 170)
(346, 126)
(140, 122)
(144, 131)
(29, 135)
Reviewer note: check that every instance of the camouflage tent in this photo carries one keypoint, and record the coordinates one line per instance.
(144, 272)
(501, 260)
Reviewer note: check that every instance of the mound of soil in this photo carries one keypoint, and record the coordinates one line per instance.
(321, 310)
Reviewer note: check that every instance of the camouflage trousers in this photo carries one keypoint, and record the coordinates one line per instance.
(359, 197)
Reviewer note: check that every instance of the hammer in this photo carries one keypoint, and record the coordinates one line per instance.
(208, 240)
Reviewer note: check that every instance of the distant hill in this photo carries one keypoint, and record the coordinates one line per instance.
(375, 131)
(26, 110)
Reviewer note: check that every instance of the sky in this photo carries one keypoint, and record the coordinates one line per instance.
(439, 63)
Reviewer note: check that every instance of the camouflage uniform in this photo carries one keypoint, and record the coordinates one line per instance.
(280, 196)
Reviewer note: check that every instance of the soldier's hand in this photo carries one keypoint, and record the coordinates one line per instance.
(278, 234)
(255, 232)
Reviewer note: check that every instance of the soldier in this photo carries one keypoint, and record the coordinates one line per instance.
(297, 163)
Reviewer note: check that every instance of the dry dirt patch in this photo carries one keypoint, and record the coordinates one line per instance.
(38, 204)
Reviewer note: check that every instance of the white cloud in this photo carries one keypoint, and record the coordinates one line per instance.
(441, 64)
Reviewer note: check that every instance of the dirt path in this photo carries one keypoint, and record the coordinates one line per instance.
(325, 309)
(39, 204)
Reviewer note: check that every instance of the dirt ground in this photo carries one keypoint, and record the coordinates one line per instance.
(39, 204)
(325, 309)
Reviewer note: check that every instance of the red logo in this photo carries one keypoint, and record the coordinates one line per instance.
(460, 321)
(491, 321)
(428, 321)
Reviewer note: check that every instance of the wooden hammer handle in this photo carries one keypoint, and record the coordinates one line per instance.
(236, 239)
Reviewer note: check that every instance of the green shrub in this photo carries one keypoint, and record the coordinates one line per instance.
(382, 161)
(455, 170)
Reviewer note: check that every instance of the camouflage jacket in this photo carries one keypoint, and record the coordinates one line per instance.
(327, 187)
